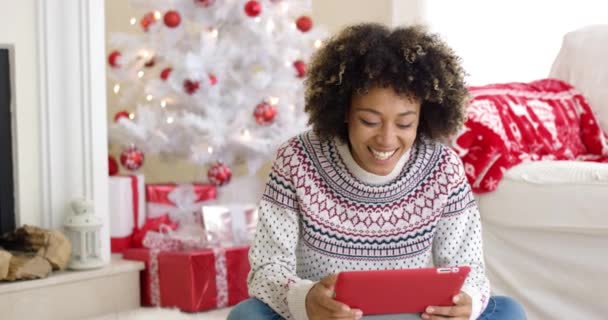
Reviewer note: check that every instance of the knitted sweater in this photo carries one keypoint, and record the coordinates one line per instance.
(321, 213)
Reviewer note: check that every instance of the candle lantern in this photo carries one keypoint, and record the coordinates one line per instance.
(83, 229)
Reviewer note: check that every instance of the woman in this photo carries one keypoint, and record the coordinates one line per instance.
(370, 186)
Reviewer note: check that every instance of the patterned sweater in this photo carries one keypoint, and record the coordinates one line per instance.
(321, 213)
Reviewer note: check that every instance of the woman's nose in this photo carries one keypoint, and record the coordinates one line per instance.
(387, 136)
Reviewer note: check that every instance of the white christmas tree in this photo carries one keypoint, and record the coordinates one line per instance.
(216, 81)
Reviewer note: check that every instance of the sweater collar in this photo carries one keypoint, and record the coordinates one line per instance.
(362, 174)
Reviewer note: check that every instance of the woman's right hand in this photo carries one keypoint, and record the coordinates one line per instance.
(320, 304)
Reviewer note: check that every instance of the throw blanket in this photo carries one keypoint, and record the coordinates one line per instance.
(515, 122)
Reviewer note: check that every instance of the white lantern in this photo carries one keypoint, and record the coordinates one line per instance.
(83, 229)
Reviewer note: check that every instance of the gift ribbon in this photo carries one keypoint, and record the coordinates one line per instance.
(221, 277)
(135, 195)
(184, 201)
(152, 224)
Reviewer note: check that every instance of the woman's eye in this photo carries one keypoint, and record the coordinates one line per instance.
(368, 123)
(403, 126)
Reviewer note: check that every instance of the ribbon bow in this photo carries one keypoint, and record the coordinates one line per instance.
(184, 202)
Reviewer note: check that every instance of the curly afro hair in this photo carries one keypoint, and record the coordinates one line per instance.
(410, 60)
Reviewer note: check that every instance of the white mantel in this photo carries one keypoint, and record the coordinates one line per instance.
(59, 107)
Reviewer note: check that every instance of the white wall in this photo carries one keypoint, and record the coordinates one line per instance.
(514, 40)
(335, 14)
(18, 27)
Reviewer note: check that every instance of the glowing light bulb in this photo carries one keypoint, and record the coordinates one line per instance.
(214, 33)
(131, 115)
(169, 120)
(273, 100)
(163, 103)
(157, 15)
(318, 44)
(140, 74)
(133, 21)
(210, 150)
(149, 97)
(116, 88)
(246, 135)
(258, 19)
(270, 26)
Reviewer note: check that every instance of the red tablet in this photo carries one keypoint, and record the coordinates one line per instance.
(399, 291)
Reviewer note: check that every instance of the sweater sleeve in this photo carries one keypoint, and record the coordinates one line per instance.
(457, 239)
(272, 255)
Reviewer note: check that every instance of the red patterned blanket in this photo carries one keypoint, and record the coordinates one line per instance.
(515, 122)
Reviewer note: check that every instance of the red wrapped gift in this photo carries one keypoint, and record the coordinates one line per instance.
(193, 280)
(127, 211)
(179, 201)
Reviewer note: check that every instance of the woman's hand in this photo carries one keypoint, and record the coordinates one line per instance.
(320, 304)
(461, 310)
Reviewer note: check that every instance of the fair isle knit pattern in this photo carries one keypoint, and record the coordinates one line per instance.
(317, 218)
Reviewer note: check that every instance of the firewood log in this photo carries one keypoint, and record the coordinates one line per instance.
(5, 259)
(50, 244)
(58, 250)
(25, 239)
(24, 267)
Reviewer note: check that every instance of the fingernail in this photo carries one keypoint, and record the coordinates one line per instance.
(358, 314)
(429, 310)
(346, 308)
(456, 298)
(425, 316)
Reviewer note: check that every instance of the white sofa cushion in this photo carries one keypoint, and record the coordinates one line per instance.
(551, 193)
(582, 62)
(545, 233)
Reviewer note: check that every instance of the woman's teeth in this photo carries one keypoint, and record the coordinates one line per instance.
(382, 155)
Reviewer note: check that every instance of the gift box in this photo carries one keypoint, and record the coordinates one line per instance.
(230, 225)
(179, 201)
(193, 280)
(127, 209)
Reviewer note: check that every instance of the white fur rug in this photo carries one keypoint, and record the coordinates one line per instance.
(165, 314)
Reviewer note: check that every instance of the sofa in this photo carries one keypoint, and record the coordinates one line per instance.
(545, 211)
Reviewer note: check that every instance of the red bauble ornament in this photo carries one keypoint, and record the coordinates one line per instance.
(253, 8)
(113, 59)
(212, 79)
(204, 3)
(172, 19)
(132, 158)
(165, 73)
(112, 166)
(147, 20)
(121, 114)
(264, 113)
(300, 68)
(304, 23)
(191, 86)
(219, 174)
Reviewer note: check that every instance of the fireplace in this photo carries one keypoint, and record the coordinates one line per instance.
(7, 186)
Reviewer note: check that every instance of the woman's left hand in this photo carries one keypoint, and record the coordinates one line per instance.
(461, 309)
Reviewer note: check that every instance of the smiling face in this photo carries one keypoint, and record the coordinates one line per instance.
(381, 128)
